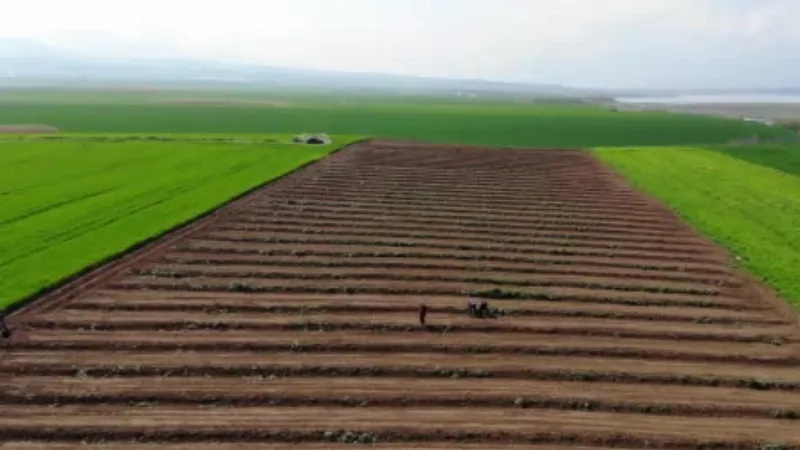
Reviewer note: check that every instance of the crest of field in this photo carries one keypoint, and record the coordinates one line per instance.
(491, 122)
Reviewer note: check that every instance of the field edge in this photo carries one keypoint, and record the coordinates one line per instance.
(753, 282)
(106, 267)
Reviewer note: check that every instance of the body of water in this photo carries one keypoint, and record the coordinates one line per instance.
(717, 99)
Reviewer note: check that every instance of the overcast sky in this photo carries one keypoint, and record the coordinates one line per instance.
(592, 43)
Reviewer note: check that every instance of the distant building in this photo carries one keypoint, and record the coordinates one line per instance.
(762, 121)
(314, 139)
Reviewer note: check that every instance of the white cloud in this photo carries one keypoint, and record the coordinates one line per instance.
(585, 42)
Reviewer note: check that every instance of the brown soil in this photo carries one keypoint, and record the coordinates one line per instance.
(27, 129)
(290, 318)
(33, 445)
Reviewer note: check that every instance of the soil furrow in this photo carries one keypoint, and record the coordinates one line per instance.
(452, 322)
(108, 300)
(408, 286)
(360, 261)
(498, 210)
(260, 228)
(404, 208)
(564, 224)
(404, 392)
(398, 229)
(88, 445)
(531, 217)
(399, 365)
(300, 239)
(407, 342)
(702, 270)
(176, 422)
(295, 318)
(180, 271)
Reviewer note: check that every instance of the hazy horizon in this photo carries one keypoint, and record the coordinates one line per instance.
(582, 43)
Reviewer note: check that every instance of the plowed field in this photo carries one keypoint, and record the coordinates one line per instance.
(289, 320)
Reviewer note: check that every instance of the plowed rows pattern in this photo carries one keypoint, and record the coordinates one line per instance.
(290, 318)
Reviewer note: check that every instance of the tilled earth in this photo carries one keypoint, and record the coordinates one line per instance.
(288, 319)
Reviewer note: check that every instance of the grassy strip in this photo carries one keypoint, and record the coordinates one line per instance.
(751, 209)
(69, 204)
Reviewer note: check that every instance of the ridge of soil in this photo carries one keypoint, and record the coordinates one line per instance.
(289, 317)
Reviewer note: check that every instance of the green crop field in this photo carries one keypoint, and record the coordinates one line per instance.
(70, 203)
(746, 198)
(436, 119)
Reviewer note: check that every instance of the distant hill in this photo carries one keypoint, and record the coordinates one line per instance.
(26, 62)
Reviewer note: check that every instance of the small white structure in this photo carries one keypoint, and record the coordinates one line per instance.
(761, 121)
(314, 139)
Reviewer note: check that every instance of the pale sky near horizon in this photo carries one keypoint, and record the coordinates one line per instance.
(590, 43)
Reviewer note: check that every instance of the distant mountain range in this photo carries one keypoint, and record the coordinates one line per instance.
(25, 63)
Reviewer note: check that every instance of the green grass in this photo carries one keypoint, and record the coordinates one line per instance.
(69, 204)
(785, 158)
(479, 122)
(748, 199)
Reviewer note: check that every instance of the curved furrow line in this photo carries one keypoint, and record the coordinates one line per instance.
(197, 342)
(347, 261)
(282, 305)
(122, 364)
(312, 227)
(474, 214)
(610, 253)
(406, 287)
(712, 272)
(487, 225)
(269, 202)
(544, 403)
(609, 204)
(384, 328)
(614, 283)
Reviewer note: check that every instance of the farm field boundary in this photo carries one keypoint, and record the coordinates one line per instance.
(745, 198)
(222, 334)
(481, 121)
(84, 196)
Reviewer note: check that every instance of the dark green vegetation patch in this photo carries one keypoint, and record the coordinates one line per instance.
(444, 120)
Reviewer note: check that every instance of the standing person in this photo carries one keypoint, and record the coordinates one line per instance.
(423, 312)
(472, 307)
(483, 309)
(5, 333)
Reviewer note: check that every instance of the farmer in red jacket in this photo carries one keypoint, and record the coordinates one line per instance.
(423, 312)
